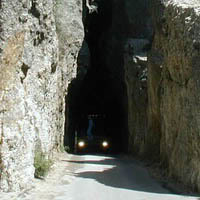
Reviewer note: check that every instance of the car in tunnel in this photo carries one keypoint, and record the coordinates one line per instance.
(95, 144)
(94, 138)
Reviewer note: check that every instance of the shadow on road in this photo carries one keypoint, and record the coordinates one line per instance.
(116, 172)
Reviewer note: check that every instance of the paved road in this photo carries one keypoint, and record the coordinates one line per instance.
(98, 177)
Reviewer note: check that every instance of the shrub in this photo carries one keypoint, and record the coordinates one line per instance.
(67, 149)
(42, 165)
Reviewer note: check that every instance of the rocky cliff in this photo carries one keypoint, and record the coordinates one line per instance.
(173, 88)
(34, 75)
(137, 62)
(137, 43)
(165, 126)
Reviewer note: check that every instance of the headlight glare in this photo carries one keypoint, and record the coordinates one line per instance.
(81, 144)
(105, 144)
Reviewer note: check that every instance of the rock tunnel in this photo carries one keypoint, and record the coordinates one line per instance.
(99, 88)
(139, 76)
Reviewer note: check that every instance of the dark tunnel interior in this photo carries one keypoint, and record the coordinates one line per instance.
(98, 93)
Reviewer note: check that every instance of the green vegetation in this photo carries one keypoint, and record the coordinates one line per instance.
(42, 165)
(65, 149)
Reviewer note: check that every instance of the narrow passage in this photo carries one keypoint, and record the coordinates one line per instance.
(100, 177)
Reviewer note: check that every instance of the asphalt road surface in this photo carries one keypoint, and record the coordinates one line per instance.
(100, 177)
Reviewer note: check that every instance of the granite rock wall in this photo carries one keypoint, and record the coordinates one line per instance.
(135, 64)
(136, 44)
(148, 58)
(173, 89)
(161, 71)
(33, 82)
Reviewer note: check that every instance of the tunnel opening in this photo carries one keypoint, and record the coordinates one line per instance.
(97, 93)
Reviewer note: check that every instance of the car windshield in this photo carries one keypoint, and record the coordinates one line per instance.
(92, 125)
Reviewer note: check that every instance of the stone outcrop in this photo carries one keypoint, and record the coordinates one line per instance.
(164, 125)
(34, 72)
(135, 64)
(173, 89)
(51, 73)
(137, 42)
(72, 53)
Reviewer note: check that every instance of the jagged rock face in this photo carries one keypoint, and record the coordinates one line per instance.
(74, 57)
(28, 79)
(135, 63)
(70, 31)
(136, 43)
(174, 88)
(32, 85)
(40, 57)
(155, 60)
(70, 34)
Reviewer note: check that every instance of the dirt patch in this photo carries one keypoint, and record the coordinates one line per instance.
(43, 188)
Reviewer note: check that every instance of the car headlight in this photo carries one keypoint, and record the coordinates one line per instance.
(81, 144)
(105, 144)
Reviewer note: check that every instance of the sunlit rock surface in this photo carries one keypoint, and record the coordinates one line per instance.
(42, 51)
(173, 88)
(33, 83)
